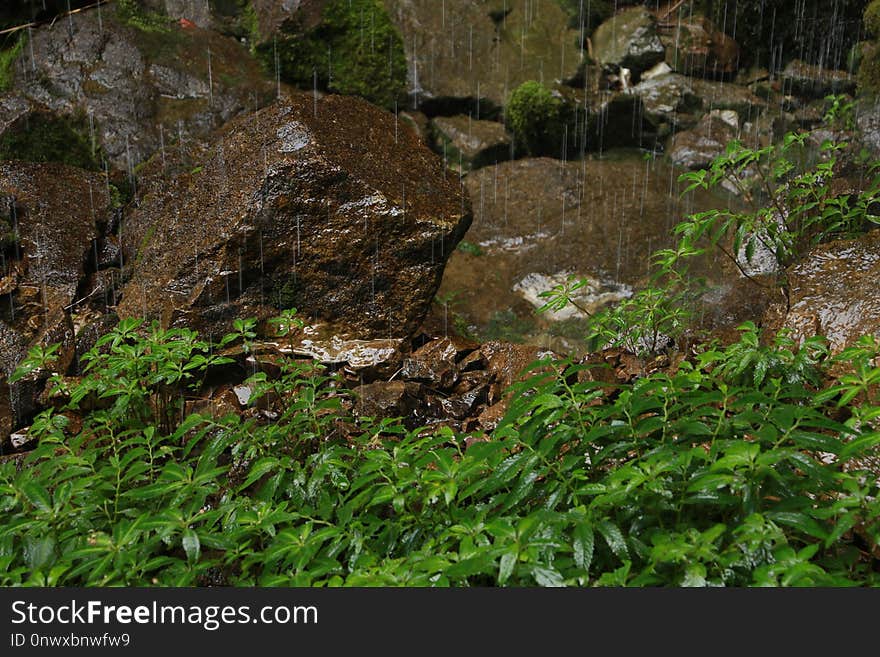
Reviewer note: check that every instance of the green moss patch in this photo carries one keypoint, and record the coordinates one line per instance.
(47, 138)
(131, 13)
(7, 63)
(537, 118)
(587, 15)
(355, 49)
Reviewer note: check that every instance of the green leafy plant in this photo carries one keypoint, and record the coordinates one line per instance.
(703, 475)
(792, 203)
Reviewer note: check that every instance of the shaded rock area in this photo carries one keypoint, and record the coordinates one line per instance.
(137, 89)
(834, 291)
(464, 57)
(452, 382)
(470, 144)
(675, 102)
(50, 215)
(629, 40)
(313, 204)
(814, 81)
(696, 148)
(694, 46)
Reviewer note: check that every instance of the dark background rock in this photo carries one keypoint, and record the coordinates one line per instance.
(134, 89)
(453, 52)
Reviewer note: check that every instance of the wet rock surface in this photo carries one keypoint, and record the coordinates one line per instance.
(52, 214)
(629, 40)
(310, 204)
(676, 102)
(467, 144)
(834, 291)
(595, 218)
(696, 47)
(696, 148)
(814, 81)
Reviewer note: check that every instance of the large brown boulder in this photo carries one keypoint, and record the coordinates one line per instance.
(319, 204)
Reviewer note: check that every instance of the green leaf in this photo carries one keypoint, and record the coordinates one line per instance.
(614, 538)
(505, 569)
(191, 545)
(800, 522)
(545, 576)
(39, 551)
(260, 469)
(37, 495)
(583, 546)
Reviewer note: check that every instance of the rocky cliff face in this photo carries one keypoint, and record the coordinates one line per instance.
(136, 82)
(50, 215)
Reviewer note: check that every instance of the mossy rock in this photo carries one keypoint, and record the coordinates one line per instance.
(869, 70)
(537, 118)
(8, 56)
(354, 49)
(872, 18)
(44, 137)
(588, 15)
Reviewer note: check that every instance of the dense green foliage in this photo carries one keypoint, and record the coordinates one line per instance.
(537, 118)
(355, 49)
(735, 469)
(48, 138)
(754, 463)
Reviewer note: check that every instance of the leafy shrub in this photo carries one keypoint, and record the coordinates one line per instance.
(708, 475)
(537, 118)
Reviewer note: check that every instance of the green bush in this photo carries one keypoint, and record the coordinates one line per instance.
(537, 119)
(355, 49)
